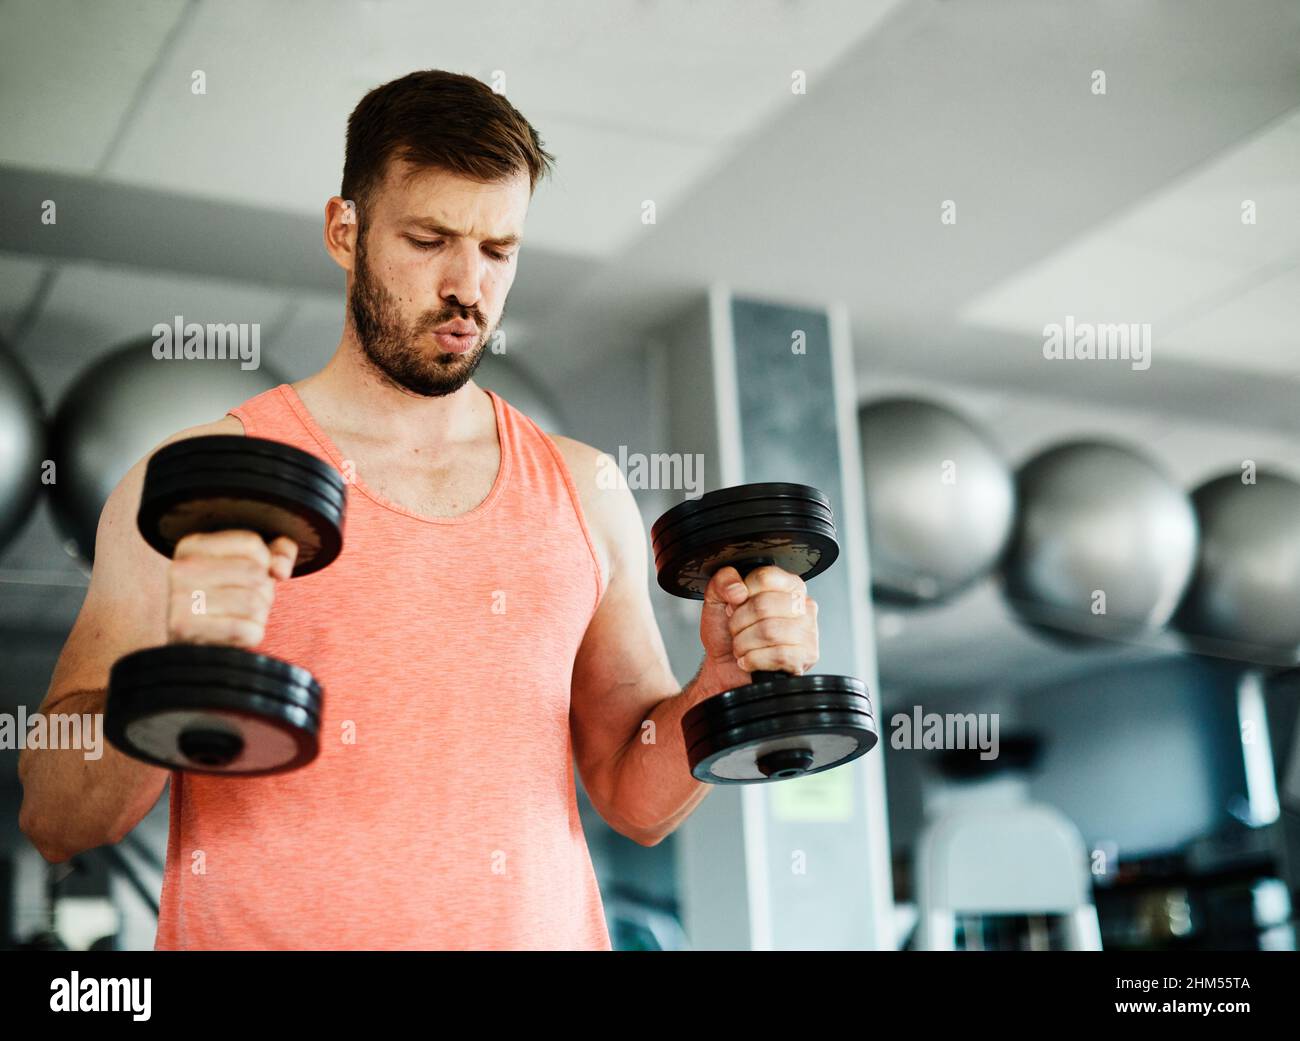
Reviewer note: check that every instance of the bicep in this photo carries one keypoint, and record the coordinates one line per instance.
(622, 670)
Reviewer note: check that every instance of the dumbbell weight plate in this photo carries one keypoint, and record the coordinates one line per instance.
(729, 735)
(223, 482)
(775, 748)
(231, 734)
(789, 524)
(724, 499)
(802, 552)
(705, 513)
(665, 533)
(787, 695)
(770, 517)
(235, 712)
(705, 728)
(212, 469)
(252, 452)
(178, 665)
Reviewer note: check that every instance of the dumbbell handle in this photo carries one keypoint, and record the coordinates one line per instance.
(745, 567)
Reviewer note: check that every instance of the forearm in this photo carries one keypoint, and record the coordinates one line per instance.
(653, 783)
(72, 803)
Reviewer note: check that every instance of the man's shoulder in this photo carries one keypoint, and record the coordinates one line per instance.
(581, 458)
(227, 424)
(612, 515)
(596, 475)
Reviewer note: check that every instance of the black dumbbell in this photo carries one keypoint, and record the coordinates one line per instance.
(225, 710)
(778, 725)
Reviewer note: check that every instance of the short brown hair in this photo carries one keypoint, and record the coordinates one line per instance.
(440, 119)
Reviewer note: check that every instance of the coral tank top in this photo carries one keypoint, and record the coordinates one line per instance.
(441, 812)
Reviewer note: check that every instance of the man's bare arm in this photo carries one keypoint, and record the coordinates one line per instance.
(70, 803)
(627, 706)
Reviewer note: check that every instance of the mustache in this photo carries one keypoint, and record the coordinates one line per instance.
(429, 320)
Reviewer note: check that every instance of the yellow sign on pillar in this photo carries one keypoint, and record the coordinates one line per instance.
(827, 796)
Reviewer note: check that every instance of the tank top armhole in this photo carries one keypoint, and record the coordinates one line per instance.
(241, 414)
(576, 502)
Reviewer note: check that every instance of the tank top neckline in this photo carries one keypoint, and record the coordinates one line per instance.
(356, 484)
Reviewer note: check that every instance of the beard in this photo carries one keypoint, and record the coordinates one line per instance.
(391, 345)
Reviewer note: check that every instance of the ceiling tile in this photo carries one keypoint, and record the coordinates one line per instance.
(69, 72)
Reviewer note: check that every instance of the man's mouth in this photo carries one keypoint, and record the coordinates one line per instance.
(455, 342)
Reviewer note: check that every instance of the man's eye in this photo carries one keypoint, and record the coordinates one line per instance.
(435, 243)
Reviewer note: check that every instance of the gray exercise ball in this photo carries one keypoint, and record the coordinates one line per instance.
(22, 446)
(1244, 598)
(117, 412)
(940, 500)
(1104, 543)
(499, 373)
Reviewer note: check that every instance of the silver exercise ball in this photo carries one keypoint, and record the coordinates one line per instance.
(22, 446)
(118, 411)
(940, 500)
(502, 375)
(1244, 598)
(1104, 542)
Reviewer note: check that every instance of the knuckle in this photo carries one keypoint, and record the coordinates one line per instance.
(250, 569)
(189, 544)
(256, 549)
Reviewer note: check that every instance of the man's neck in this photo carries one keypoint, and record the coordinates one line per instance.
(349, 397)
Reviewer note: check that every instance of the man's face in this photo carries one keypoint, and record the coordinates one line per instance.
(434, 249)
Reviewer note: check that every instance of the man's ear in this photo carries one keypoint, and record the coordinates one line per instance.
(341, 231)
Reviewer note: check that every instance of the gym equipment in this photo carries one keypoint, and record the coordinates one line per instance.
(940, 500)
(1098, 518)
(118, 409)
(1244, 598)
(977, 860)
(22, 446)
(777, 725)
(225, 710)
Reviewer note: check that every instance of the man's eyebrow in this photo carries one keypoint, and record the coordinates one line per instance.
(435, 228)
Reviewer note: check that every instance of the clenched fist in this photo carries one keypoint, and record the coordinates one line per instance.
(763, 622)
(221, 586)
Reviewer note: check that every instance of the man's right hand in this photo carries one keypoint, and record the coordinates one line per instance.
(221, 586)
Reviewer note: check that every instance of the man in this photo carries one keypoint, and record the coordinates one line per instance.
(487, 625)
